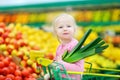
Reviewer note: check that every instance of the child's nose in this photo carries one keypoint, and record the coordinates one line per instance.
(65, 28)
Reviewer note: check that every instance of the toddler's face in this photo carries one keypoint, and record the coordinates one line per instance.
(65, 28)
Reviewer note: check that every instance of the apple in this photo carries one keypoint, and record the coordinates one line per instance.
(25, 57)
(1, 31)
(3, 47)
(1, 40)
(7, 40)
(5, 35)
(29, 62)
(2, 25)
(19, 35)
(14, 52)
(11, 35)
(10, 48)
(35, 48)
(34, 66)
(6, 53)
(7, 29)
(23, 63)
(20, 54)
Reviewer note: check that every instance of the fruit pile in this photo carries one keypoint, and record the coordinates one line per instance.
(10, 71)
(14, 55)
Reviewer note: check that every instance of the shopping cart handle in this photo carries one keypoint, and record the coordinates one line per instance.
(44, 61)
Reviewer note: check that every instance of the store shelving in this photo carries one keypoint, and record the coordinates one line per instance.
(64, 6)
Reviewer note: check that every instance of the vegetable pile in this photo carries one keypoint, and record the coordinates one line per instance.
(79, 52)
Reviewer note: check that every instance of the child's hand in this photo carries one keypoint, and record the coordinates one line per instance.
(59, 58)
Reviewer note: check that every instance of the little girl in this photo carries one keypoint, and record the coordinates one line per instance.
(64, 28)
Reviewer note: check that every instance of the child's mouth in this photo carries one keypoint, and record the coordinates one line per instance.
(65, 33)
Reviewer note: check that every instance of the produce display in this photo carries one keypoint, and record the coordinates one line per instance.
(21, 32)
(17, 40)
(87, 15)
(15, 62)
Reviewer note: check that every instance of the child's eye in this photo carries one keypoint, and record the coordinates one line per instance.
(68, 26)
(60, 27)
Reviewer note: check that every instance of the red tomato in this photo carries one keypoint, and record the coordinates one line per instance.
(6, 61)
(30, 69)
(34, 75)
(12, 70)
(8, 79)
(18, 78)
(11, 76)
(5, 71)
(2, 77)
(18, 73)
(25, 73)
(1, 57)
(29, 79)
(0, 70)
(2, 64)
(12, 64)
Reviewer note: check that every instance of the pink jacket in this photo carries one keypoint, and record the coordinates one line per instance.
(77, 66)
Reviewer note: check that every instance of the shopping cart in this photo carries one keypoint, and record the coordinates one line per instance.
(103, 74)
(56, 70)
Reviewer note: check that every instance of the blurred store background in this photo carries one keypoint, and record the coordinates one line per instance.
(26, 25)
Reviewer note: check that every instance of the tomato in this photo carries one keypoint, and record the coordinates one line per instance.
(5, 71)
(25, 73)
(2, 64)
(6, 61)
(18, 78)
(29, 79)
(1, 56)
(8, 79)
(30, 69)
(12, 64)
(0, 70)
(12, 70)
(18, 73)
(11, 76)
(2, 77)
(34, 75)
